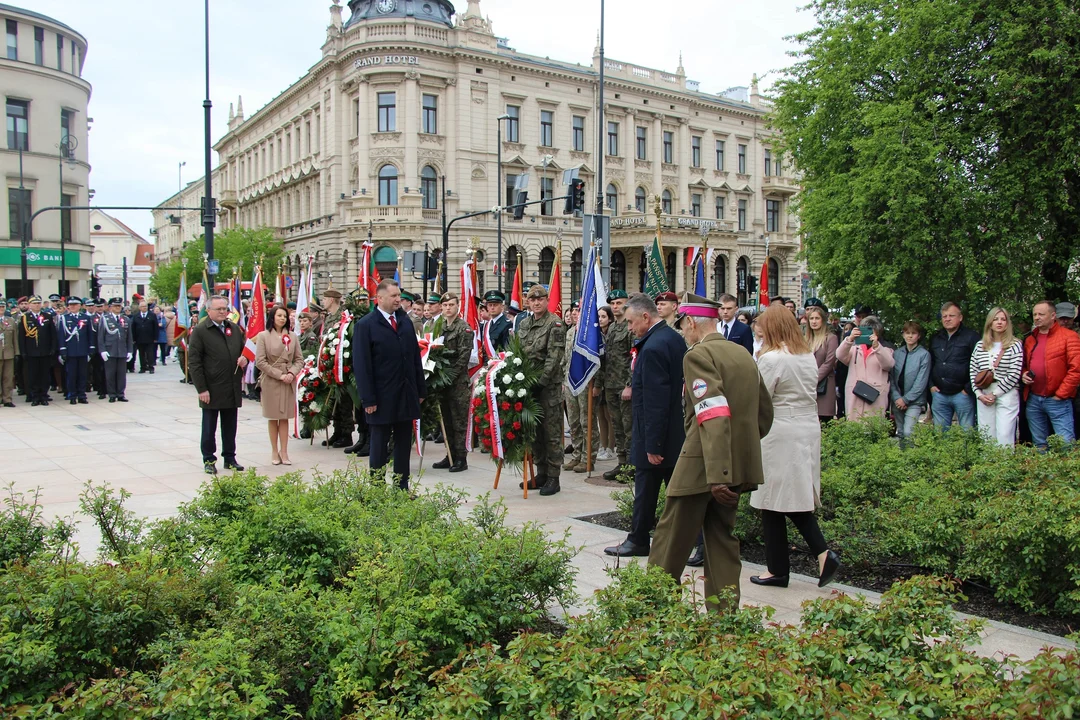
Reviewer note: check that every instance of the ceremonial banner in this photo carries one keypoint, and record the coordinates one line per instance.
(655, 271)
(256, 321)
(588, 340)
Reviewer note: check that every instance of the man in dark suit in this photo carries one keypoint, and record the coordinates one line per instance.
(37, 346)
(216, 366)
(731, 328)
(656, 388)
(144, 330)
(495, 334)
(389, 378)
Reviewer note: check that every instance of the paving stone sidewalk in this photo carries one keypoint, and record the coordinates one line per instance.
(150, 447)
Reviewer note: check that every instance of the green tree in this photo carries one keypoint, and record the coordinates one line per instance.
(937, 143)
(231, 247)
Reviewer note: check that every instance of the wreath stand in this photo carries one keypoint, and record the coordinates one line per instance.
(527, 468)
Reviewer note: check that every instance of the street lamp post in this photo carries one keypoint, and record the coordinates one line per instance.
(180, 180)
(209, 211)
(67, 146)
(498, 197)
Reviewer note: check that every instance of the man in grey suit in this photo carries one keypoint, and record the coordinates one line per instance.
(115, 345)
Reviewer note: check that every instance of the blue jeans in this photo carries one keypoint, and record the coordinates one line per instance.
(905, 422)
(943, 406)
(1044, 412)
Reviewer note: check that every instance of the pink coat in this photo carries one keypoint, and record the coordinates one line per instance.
(873, 370)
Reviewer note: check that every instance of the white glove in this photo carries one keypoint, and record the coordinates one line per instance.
(129, 357)
(104, 356)
(62, 359)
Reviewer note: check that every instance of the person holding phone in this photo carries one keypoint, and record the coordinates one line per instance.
(869, 363)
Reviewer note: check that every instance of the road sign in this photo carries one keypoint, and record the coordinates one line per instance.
(134, 277)
(110, 276)
(215, 266)
(140, 268)
(108, 268)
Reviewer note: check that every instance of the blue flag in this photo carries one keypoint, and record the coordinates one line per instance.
(699, 284)
(588, 340)
(397, 277)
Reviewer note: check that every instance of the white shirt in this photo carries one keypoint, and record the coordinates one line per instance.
(386, 315)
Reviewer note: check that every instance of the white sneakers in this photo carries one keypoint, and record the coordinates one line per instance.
(605, 454)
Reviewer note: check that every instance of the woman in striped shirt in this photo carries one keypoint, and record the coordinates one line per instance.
(999, 402)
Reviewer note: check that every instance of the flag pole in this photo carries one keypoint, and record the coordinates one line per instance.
(659, 236)
(589, 412)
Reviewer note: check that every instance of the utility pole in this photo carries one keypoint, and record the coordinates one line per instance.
(208, 206)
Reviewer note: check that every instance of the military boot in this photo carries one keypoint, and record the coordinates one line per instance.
(550, 487)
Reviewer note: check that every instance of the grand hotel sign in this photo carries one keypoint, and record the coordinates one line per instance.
(380, 60)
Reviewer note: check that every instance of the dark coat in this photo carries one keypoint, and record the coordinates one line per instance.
(212, 357)
(742, 334)
(656, 394)
(144, 330)
(951, 359)
(44, 342)
(499, 332)
(387, 368)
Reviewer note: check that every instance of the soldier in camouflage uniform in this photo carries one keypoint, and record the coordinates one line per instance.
(454, 403)
(309, 341)
(543, 340)
(577, 408)
(343, 407)
(617, 379)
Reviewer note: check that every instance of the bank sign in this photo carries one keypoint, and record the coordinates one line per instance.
(39, 257)
(379, 60)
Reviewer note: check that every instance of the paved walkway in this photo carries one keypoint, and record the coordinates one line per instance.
(149, 446)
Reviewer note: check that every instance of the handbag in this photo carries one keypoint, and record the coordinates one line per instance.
(984, 378)
(865, 392)
(823, 386)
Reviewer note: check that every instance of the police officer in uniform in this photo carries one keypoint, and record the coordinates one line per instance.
(543, 340)
(726, 412)
(617, 377)
(37, 346)
(454, 403)
(97, 365)
(342, 436)
(77, 344)
(495, 333)
(115, 346)
(436, 323)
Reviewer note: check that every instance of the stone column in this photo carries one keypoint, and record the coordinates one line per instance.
(657, 154)
(363, 137)
(411, 127)
(682, 157)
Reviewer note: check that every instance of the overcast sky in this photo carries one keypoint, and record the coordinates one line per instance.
(145, 62)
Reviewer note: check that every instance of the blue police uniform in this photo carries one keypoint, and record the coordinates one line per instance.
(74, 332)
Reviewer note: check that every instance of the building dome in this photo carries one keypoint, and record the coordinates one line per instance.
(437, 11)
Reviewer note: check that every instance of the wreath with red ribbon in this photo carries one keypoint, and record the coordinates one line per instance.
(505, 413)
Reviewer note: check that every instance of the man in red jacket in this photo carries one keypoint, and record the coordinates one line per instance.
(1051, 376)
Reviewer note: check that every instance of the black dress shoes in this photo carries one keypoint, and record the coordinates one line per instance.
(551, 487)
(84, 401)
(35, 403)
(462, 466)
(121, 399)
(208, 467)
(697, 558)
(771, 581)
(233, 465)
(627, 549)
(9, 404)
(342, 443)
(112, 399)
(443, 464)
(828, 574)
(73, 401)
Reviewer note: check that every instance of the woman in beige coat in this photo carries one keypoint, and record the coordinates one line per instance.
(791, 452)
(870, 364)
(278, 357)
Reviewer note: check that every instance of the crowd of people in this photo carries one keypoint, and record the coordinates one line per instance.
(78, 346)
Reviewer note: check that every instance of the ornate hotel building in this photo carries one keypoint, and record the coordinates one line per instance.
(399, 122)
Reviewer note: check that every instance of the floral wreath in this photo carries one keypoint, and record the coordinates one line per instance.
(504, 413)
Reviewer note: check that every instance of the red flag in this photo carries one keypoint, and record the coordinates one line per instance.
(516, 299)
(691, 255)
(555, 290)
(763, 288)
(470, 313)
(369, 275)
(256, 315)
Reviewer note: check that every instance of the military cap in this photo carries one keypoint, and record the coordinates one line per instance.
(54, 297)
(814, 302)
(34, 298)
(574, 305)
(494, 296)
(290, 305)
(24, 298)
(74, 301)
(434, 298)
(116, 301)
(667, 295)
(537, 291)
(616, 295)
(316, 307)
(332, 293)
(407, 296)
(136, 296)
(697, 306)
(99, 301)
(362, 293)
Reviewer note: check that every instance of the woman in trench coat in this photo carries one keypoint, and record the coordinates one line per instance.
(791, 452)
(278, 357)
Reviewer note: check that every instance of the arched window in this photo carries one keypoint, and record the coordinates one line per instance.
(671, 271)
(480, 273)
(388, 185)
(720, 276)
(575, 274)
(611, 199)
(386, 261)
(640, 198)
(665, 202)
(774, 278)
(547, 262)
(618, 270)
(429, 187)
(741, 272)
(510, 261)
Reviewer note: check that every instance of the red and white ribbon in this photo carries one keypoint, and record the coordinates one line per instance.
(339, 349)
(416, 437)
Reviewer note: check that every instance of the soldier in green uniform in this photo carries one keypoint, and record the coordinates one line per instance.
(577, 408)
(617, 379)
(437, 322)
(417, 319)
(454, 403)
(726, 412)
(343, 407)
(543, 340)
(309, 341)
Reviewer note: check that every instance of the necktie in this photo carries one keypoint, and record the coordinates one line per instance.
(725, 331)
(393, 323)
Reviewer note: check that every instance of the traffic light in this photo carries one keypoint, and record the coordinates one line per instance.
(575, 197)
(520, 199)
(751, 284)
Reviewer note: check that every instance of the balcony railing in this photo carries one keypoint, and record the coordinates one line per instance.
(779, 185)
